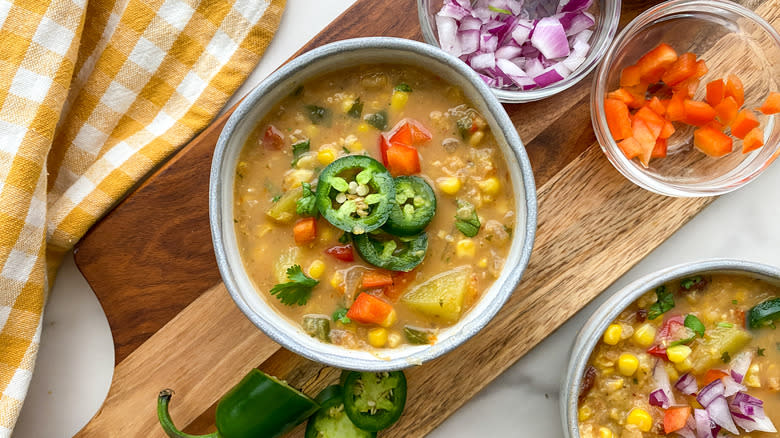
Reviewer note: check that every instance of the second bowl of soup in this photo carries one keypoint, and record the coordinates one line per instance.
(372, 206)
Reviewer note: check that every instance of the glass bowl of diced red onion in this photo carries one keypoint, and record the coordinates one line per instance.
(525, 50)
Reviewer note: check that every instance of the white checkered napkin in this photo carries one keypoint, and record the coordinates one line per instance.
(89, 104)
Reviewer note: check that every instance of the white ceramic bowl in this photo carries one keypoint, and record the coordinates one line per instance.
(254, 107)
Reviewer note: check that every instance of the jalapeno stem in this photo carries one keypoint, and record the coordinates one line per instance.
(163, 399)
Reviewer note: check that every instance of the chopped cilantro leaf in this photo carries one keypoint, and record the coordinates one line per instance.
(697, 282)
(725, 325)
(299, 149)
(761, 351)
(403, 87)
(682, 341)
(346, 151)
(735, 302)
(500, 10)
(341, 316)
(305, 205)
(466, 219)
(664, 304)
(296, 291)
(695, 324)
(725, 357)
(276, 198)
(345, 238)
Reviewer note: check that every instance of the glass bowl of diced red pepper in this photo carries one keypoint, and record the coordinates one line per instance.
(687, 100)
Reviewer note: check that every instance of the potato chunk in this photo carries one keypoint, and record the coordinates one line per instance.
(283, 210)
(442, 296)
(710, 352)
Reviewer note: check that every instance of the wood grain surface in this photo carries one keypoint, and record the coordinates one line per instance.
(151, 264)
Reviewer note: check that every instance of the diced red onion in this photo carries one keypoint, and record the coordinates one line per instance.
(686, 384)
(705, 428)
(731, 386)
(549, 48)
(483, 61)
(550, 38)
(661, 378)
(711, 392)
(740, 365)
(720, 414)
(659, 398)
(748, 413)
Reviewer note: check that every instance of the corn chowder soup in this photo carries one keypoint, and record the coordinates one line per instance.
(373, 207)
(699, 357)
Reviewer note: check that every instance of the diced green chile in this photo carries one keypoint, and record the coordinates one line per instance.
(317, 326)
(393, 254)
(335, 179)
(331, 421)
(417, 336)
(415, 205)
(377, 120)
(764, 314)
(374, 401)
(356, 110)
(318, 115)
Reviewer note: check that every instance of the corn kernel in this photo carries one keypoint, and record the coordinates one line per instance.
(377, 337)
(612, 334)
(312, 131)
(391, 319)
(326, 156)
(335, 279)
(644, 335)
(449, 185)
(490, 186)
(363, 127)
(316, 269)
(682, 367)
(356, 146)
(398, 100)
(640, 418)
(678, 353)
(394, 339)
(465, 248)
(482, 263)
(476, 138)
(628, 364)
(605, 432)
(752, 378)
(614, 384)
(584, 413)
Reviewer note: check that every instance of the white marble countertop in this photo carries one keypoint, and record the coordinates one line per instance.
(76, 359)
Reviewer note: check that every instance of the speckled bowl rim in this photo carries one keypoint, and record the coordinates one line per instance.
(287, 336)
(591, 332)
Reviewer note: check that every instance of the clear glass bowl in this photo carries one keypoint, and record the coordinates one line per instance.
(732, 40)
(607, 15)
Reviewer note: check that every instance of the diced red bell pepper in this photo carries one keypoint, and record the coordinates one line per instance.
(659, 151)
(675, 110)
(698, 113)
(654, 121)
(618, 120)
(409, 132)
(368, 309)
(701, 69)
(688, 86)
(630, 147)
(715, 92)
(644, 135)
(341, 252)
(402, 160)
(273, 138)
(712, 142)
(658, 351)
(374, 279)
(727, 110)
(668, 130)
(675, 418)
(682, 69)
(654, 63)
(622, 95)
(744, 123)
(638, 93)
(657, 106)
(713, 375)
(630, 76)
(753, 140)
(771, 104)
(735, 89)
(305, 231)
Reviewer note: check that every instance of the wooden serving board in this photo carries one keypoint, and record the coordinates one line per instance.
(151, 265)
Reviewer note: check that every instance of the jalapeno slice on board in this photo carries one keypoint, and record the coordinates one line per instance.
(392, 253)
(415, 205)
(355, 193)
(259, 405)
(331, 421)
(374, 401)
(764, 314)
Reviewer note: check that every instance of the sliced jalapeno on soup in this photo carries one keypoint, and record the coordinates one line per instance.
(764, 314)
(355, 193)
(394, 254)
(374, 401)
(331, 421)
(415, 205)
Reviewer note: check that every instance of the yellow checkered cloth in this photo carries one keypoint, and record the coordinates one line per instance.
(93, 95)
